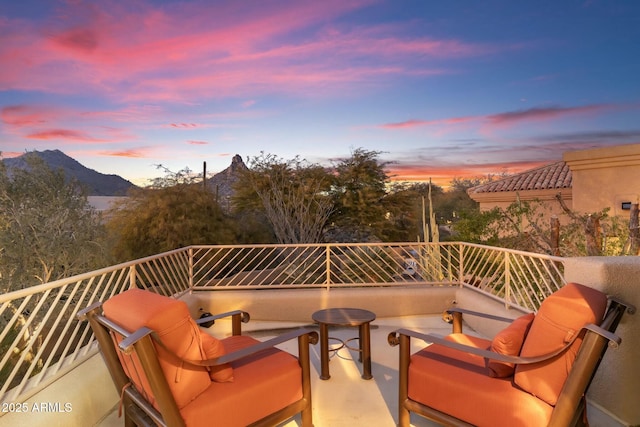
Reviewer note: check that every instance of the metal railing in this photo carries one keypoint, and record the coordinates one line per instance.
(41, 338)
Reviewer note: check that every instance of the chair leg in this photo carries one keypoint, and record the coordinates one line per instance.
(403, 381)
(303, 358)
(128, 422)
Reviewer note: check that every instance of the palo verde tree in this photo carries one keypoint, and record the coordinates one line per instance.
(48, 229)
(175, 211)
(291, 194)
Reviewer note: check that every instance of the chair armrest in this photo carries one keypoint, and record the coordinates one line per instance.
(244, 316)
(393, 340)
(125, 345)
(247, 351)
(453, 315)
(478, 314)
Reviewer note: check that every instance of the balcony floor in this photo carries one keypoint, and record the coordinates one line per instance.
(346, 399)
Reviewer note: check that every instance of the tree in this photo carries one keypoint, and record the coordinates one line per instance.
(405, 209)
(530, 226)
(174, 212)
(359, 190)
(48, 229)
(291, 194)
(478, 227)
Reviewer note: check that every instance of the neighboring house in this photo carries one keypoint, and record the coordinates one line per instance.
(587, 180)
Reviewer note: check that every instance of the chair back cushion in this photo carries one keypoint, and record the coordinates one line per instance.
(559, 320)
(172, 323)
(213, 348)
(509, 342)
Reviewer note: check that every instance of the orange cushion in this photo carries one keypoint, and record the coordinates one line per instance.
(458, 383)
(509, 342)
(263, 383)
(560, 318)
(172, 322)
(214, 348)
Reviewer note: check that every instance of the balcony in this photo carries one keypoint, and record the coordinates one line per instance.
(51, 367)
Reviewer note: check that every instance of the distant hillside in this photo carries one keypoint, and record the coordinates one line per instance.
(98, 184)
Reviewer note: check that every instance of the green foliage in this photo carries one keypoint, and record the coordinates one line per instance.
(48, 230)
(526, 226)
(359, 192)
(359, 188)
(478, 227)
(175, 212)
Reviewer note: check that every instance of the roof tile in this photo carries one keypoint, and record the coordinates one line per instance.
(556, 175)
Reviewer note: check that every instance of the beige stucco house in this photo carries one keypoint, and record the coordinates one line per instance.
(587, 180)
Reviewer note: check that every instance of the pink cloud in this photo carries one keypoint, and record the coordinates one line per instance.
(43, 122)
(542, 113)
(197, 142)
(84, 40)
(132, 153)
(10, 154)
(143, 51)
(417, 123)
(64, 134)
(25, 115)
(406, 124)
(442, 174)
(504, 119)
(184, 125)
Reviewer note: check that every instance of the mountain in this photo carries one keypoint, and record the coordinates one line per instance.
(98, 184)
(221, 184)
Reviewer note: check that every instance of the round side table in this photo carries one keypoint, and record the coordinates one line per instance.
(345, 317)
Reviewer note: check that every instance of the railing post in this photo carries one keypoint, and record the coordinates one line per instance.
(507, 280)
(132, 277)
(190, 254)
(461, 266)
(328, 266)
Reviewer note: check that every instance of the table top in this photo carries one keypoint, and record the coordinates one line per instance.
(343, 316)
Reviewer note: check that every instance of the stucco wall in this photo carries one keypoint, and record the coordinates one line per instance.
(605, 177)
(297, 305)
(503, 199)
(616, 386)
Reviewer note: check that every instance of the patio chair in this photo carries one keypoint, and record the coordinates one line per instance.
(535, 372)
(170, 372)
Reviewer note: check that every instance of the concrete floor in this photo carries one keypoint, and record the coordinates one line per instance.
(346, 399)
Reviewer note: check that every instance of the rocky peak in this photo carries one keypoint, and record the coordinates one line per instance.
(221, 184)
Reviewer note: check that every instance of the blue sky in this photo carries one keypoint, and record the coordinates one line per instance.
(442, 89)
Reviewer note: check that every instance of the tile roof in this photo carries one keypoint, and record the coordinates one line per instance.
(553, 176)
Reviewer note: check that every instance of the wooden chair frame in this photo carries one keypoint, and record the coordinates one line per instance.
(139, 412)
(570, 406)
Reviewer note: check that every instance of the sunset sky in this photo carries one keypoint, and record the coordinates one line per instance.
(442, 88)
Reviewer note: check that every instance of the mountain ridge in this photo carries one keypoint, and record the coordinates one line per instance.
(97, 184)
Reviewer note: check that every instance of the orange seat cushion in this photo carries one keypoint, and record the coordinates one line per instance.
(560, 318)
(509, 342)
(173, 325)
(459, 384)
(263, 383)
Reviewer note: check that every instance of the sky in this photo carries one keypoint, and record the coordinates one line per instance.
(441, 89)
